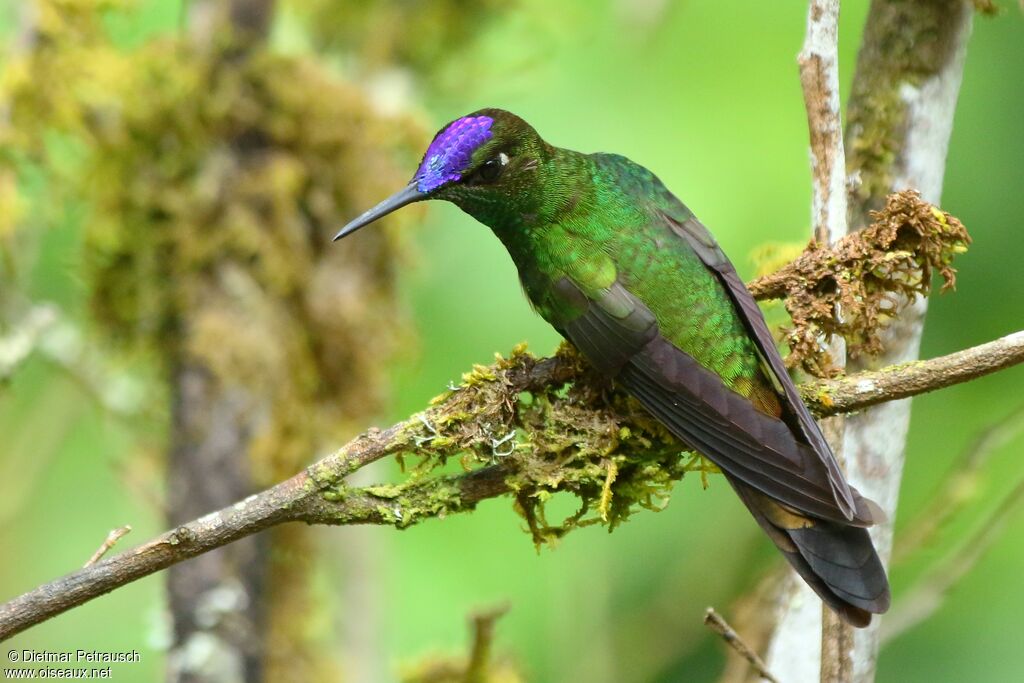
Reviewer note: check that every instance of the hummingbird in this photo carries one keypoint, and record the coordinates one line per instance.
(624, 270)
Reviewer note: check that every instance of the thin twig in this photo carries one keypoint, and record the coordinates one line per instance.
(483, 643)
(960, 486)
(928, 595)
(819, 79)
(714, 621)
(113, 537)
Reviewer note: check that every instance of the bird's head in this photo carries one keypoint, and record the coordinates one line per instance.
(485, 162)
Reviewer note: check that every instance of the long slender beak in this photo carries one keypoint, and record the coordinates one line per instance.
(408, 195)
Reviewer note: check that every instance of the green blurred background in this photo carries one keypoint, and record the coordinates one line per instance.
(706, 95)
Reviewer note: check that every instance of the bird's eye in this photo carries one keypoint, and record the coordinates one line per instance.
(491, 169)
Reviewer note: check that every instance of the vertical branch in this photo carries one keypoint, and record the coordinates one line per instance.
(819, 79)
(927, 596)
(900, 118)
(268, 363)
(792, 653)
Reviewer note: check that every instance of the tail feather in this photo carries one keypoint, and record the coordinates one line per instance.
(838, 561)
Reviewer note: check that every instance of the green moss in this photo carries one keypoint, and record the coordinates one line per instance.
(333, 495)
(906, 43)
(418, 35)
(214, 185)
(872, 151)
(575, 438)
(384, 490)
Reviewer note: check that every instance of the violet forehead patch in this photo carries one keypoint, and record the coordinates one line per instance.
(450, 152)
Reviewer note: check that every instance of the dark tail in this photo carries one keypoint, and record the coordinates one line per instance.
(839, 562)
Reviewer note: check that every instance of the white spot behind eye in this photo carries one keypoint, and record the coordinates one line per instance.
(503, 159)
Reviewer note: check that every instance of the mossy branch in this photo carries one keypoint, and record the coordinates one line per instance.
(543, 462)
(524, 426)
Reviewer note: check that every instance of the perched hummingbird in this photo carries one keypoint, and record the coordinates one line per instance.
(623, 270)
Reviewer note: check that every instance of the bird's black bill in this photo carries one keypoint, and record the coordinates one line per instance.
(396, 201)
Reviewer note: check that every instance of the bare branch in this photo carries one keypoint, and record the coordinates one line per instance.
(960, 486)
(866, 389)
(819, 78)
(836, 647)
(716, 623)
(928, 595)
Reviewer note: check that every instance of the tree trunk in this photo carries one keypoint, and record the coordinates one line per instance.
(261, 378)
(218, 602)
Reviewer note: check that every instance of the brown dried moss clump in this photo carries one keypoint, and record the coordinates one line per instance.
(857, 286)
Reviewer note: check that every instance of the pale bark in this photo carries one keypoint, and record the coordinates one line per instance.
(876, 439)
(824, 641)
(899, 123)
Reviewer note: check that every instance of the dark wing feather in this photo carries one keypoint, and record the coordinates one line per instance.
(698, 237)
(619, 335)
(837, 560)
(613, 328)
